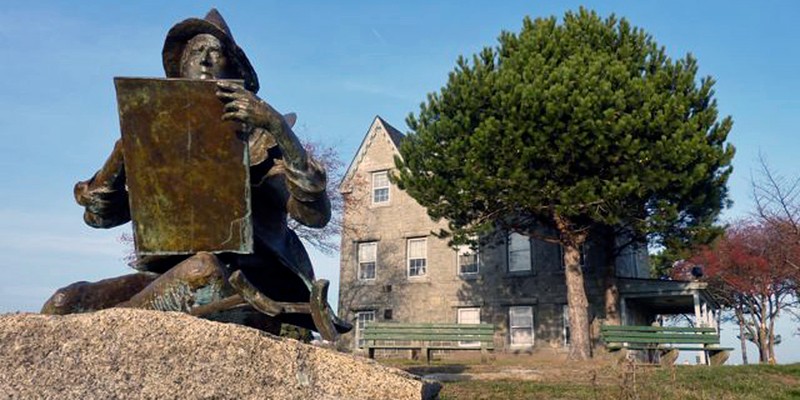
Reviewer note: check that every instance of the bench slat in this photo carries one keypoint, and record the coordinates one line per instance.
(433, 338)
(434, 347)
(611, 337)
(662, 347)
(661, 340)
(628, 328)
(426, 326)
(431, 331)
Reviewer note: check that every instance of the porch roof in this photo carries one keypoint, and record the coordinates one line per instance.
(664, 296)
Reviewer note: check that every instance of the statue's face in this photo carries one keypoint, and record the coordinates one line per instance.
(204, 58)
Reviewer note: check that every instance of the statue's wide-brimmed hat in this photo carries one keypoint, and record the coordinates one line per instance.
(213, 24)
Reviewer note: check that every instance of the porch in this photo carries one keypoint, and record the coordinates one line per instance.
(647, 301)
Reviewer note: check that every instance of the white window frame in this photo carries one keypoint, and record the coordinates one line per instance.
(362, 317)
(459, 320)
(361, 262)
(466, 250)
(409, 260)
(511, 239)
(380, 186)
(565, 326)
(583, 260)
(512, 327)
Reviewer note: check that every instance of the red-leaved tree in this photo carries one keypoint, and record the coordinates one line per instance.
(751, 273)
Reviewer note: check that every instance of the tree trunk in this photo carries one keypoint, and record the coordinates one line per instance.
(742, 337)
(611, 291)
(763, 346)
(580, 342)
(772, 358)
(763, 334)
(611, 298)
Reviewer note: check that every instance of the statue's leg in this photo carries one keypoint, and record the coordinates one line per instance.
(200, 279)
(92, 296)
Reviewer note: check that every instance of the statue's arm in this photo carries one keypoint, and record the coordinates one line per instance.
(308, 201)
(104, 195)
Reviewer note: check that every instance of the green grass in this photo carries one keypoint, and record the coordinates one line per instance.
(680, 382)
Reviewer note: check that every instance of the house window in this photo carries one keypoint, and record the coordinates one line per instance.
(520, 326)
(362, 317)
(380, 187)
(519, 252)
(367, 259)
(470, 315)
(417, 256)
(581, 261)
(467, 260)
(565, 324)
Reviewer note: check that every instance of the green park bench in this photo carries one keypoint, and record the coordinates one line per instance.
(669, 341)
(428, 337)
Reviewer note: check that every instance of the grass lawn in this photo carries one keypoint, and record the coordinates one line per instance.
(604, 379)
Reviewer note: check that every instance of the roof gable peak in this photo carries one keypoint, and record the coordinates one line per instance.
(378, 127)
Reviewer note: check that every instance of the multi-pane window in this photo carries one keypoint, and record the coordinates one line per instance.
(628, 263)
(362, 317)
(582, 261)
(520, 326)
(470, 315)
(519, 252)
(417, 256)
(380, 187)
(467, 260)
(565, 324)
(367, 260)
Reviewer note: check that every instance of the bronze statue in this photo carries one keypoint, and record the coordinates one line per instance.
(273, 284)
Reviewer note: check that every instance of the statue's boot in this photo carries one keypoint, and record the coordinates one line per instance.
(84, 296)
(195, 282)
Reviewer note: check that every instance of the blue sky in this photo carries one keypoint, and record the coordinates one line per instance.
(336, 65)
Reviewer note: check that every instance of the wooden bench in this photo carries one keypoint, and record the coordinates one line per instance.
(669, 341)
(428, 337)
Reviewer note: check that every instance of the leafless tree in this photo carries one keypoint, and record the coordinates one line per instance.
(777, 201)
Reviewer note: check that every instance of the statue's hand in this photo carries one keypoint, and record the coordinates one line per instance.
(243, 106)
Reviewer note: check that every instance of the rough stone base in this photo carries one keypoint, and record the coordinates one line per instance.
(127, 353)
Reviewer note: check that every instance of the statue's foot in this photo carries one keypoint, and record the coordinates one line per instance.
(200, 279)
(323, 319)
(92, 296)
(328, 325)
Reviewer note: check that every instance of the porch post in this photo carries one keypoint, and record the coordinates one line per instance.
(698, 322)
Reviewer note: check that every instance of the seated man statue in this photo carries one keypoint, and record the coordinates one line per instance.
(285, 180)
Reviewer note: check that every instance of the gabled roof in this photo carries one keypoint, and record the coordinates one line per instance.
(394, 134)
(378, 127)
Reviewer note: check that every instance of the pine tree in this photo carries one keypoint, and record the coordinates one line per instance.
(572, 126)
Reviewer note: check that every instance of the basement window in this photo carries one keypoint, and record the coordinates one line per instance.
(362, 317)
(520, 326)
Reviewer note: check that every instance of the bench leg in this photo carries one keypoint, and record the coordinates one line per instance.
(484, 355)
(427, 353)
(371, 352)
(668, 357)
(718, 357)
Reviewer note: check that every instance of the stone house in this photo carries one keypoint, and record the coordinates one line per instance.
(393, 268)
